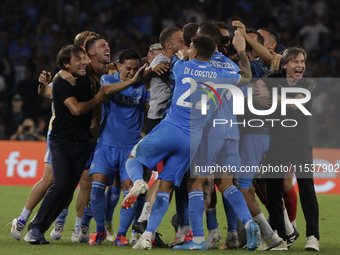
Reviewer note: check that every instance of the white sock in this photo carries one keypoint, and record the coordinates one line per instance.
(294, 224)
(183, 230)
(25, 214)
(78, 223)
(288, 225)
(265, 228)
(198, 239)
(147, 234)
(145, 212)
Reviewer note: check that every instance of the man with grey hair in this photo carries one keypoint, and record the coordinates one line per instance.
(154, 50)
(291, 145)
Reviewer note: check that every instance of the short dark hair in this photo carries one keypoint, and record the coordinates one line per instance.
(260, 38)
(291, 53)
(65, 54)
(128, 54)
(271, 32)
(189, 31)
(211, 30)
(82, 36)
(92, 41)
(166, 35)
(222, 25)
(204, 45)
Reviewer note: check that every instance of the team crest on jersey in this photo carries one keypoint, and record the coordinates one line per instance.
(117, 98)
(102, 80)
(138, 90)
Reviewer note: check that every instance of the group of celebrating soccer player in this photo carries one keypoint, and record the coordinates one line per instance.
(101, 109)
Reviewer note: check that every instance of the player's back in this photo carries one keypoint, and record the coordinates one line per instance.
(193, 79)
(225, 109)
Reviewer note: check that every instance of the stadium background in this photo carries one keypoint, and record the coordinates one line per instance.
(32, 32)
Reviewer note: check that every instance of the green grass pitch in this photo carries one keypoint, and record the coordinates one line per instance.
(13, 199)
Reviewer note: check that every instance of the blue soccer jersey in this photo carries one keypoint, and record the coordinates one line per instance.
(224, 110)
(122, 114)
(184, 121)
(193, 79)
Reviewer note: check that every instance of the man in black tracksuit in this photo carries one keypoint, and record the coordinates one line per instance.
(292, 145)
(68, 139)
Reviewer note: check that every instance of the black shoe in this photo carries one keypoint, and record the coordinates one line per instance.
(43, 239)
(33, 236)
(158, 241)
(292, 238)
(140, 226)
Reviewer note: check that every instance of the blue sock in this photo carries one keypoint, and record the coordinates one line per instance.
(139, 206)
(211, 219)
(112, 197)
(231, 215)
(62, 215)
(182, 205)
(159, 208)
(98, 204)
(196, 208)
(236, 199)
(87, 214)
(134, 169)
(126, 216)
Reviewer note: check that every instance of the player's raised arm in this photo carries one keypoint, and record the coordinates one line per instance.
(244, 64)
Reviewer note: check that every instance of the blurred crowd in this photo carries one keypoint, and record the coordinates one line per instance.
(33, 31)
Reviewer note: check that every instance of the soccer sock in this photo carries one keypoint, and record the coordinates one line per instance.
(78, 222)
(145, 213)
(182, 206)
(290, 199)
(87, 214)
(196, 209)
(230, 214)
(25, 214)
(139, 206)
(112, 197)
(62, 216)
(183, 230)
(236, 199)
(294, 224)
(159, 208)
(98, 204)
(126, 216)
(211, 219)
(288, 225)
(265, 228)
(134, 169)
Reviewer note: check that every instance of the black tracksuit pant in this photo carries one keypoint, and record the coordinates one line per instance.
(68, 161)
(301, 158)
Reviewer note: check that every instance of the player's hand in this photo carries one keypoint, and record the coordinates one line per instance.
(240, 26)
(160, 68)
(100, 97)
(264, 102)
(68, 77)
(260, 89)
(138, 75)
(45, 78)
(239, 42)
